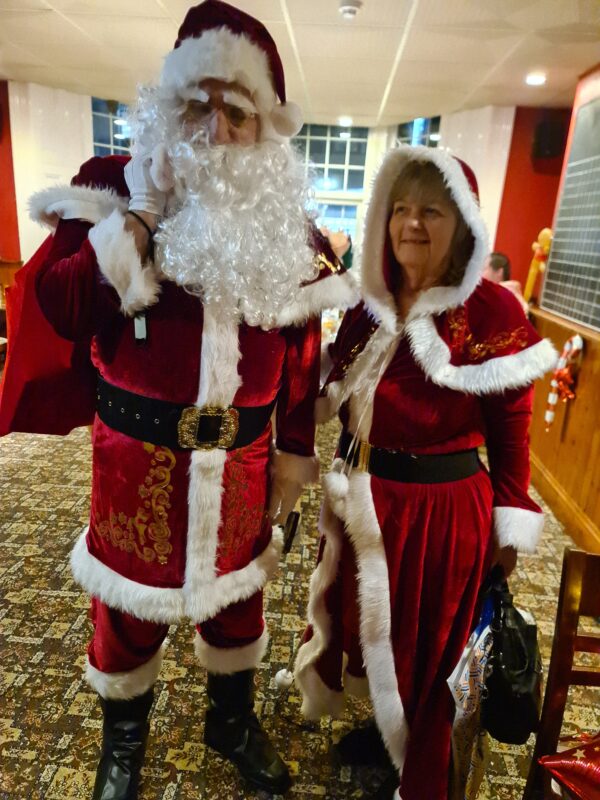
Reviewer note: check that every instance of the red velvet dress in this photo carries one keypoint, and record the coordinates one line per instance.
(394, 595)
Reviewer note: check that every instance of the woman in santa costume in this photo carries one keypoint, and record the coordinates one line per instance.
(194, 349)
(432, 364)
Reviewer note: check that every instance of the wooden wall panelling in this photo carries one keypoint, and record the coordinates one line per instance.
(565, 461)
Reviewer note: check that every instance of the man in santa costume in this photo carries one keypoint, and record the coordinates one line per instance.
(196, 276)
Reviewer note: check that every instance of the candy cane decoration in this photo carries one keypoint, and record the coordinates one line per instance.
(562, 383)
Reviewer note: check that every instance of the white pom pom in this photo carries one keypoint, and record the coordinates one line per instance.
(284, 679)
(287, 119)
(335, 485)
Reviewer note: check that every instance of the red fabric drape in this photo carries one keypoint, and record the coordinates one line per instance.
(49, 383)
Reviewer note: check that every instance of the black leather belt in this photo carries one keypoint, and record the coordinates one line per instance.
(397, 465)
(177, 426)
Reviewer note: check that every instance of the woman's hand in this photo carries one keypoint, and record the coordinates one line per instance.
(505, 557)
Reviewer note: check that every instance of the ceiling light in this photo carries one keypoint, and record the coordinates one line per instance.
(345, 122)
(120, 121)
(344, 134)
(119, 136)
(349, 8)
(435, 137)
(536, 79)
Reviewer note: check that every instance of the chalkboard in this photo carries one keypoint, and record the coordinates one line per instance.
(572, 282)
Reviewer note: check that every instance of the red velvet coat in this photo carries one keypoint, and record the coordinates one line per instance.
(396, 587)
(176, 532)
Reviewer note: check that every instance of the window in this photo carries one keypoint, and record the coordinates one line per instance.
(111, 132)
(420, 131)
(335, 156)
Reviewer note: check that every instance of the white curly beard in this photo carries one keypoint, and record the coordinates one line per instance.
(236, 233)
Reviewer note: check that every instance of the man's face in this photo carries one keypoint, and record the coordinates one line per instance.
(224, 110)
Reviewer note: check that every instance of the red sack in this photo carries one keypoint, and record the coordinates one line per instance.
(49, 383)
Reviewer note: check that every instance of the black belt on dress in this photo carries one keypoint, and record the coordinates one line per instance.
(396, 465)
(178, 426)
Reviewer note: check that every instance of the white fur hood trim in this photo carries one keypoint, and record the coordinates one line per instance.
(378, 298)
(51, 205)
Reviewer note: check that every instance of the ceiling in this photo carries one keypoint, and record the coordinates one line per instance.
(397, 60)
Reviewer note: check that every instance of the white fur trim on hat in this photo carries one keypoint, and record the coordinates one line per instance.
(221, 54)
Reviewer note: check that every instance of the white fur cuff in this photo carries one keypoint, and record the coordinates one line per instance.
(226, 661)
(119, 261)
(517, 527)
(125, 685)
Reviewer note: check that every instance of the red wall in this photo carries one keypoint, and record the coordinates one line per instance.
(9, 229)
(530, 190)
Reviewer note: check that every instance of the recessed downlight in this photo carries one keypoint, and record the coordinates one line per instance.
(535, 78)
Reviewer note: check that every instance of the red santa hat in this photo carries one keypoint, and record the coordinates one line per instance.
(219, 41)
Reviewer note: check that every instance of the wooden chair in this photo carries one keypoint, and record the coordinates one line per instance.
(579, 597)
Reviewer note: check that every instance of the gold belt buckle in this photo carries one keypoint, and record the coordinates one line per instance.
(187, 427)
(364, 456)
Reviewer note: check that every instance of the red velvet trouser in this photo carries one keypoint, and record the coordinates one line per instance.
(122, 642)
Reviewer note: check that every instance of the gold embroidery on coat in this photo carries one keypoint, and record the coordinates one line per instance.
(323, 262)
(462, 337)
(242, 515)
(148, 533)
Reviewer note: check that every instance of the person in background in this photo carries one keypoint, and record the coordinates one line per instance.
(193, 271)
(433, 363)
(341, 244)
(497, 270)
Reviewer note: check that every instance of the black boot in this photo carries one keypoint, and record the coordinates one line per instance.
(363, 747)
(125, 732)
(233, 730)
(387, 790)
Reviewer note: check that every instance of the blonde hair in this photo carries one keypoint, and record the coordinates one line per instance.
(423, 182)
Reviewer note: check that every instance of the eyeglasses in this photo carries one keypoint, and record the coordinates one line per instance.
(199, 112)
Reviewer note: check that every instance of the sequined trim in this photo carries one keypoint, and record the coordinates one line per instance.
(462, 339)
(148, 533)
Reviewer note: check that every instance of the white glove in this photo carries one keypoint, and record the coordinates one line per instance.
(142, 176)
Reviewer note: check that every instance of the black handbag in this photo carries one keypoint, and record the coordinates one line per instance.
(512, 697)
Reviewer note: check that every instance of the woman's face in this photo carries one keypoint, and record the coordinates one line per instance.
(421, 237)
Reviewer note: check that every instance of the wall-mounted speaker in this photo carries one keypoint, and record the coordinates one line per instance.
(549, 138)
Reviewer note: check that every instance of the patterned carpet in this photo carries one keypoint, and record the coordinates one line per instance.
(49, 720)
